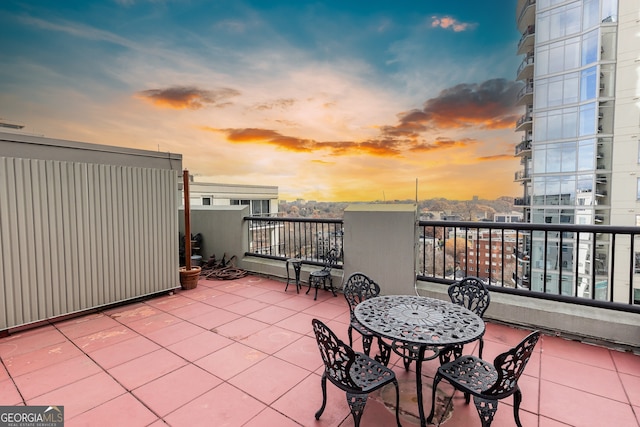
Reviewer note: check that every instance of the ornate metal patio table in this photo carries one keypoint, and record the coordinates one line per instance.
(419, 324)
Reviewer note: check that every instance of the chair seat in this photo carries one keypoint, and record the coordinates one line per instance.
(319, 273)
(474, 375)
(369, 374)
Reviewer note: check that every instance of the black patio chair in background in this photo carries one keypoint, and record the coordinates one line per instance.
(322, 276)
(356, 289)
(472, 294)
(355, 373)
(488, 383)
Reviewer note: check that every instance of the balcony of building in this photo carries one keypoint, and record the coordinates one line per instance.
(525, 95)
(523, 148)
(526, 13)
(522, 175)
(524, 123)
(525, 70)
(527, 40)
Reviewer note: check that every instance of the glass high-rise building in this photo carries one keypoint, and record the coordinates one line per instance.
(579, 154)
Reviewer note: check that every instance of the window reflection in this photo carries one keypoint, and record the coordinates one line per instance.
(588, 84)
(587, 119)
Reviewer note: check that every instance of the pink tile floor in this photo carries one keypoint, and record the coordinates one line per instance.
(242, 353)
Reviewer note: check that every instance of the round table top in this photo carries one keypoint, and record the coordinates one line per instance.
(294, 260)
(419, 320)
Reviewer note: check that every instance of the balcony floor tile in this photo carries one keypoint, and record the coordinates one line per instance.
(243, 353)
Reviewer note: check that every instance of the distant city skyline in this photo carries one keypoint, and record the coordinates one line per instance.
(329, 101)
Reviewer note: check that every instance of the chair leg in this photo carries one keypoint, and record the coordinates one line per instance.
(395, 383)
(436, 381)
(450, 353)
(366, 343)
(333, 291)
(517, 398)
(385, 352)
(486, 409)
(323, 381)
(356, 403)
(481, 347)
(350, 333)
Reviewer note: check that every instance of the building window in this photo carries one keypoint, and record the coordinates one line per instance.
(206, 201)
(258, 207)
(637, 263)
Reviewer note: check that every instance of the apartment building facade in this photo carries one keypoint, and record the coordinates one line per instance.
(580, 146)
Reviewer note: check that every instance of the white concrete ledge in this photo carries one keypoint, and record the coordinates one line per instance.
(584, 323)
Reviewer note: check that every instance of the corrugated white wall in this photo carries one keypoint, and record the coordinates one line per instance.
(75, 236)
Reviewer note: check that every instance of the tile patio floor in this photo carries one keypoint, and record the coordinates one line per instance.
(242, 353)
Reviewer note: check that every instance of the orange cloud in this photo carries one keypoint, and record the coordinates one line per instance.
(448, 22)
(338, 148)
(496, 157)
(443, 143)
(185, 97)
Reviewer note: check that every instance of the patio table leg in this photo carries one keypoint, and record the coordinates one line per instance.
(421, 351)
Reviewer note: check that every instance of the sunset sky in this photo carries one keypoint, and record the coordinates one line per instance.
(328, 100)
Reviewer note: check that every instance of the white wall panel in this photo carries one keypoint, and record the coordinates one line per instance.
(76, 236)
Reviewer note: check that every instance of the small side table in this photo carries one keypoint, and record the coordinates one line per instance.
(297, 266)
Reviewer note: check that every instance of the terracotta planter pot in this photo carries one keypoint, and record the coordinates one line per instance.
(189, 278)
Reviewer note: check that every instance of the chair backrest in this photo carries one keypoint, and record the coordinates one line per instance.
(510, 366)
(358, 288)
(330, 259)
(471, 293)
(336, 355)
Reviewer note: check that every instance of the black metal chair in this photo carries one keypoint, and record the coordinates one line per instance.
(355, 373)
(472, 294)
(318, 277)
(358, 288)
(488, 383)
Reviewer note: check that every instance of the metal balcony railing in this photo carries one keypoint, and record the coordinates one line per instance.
(572, 263)
(283, 238)
(522, 201)
(530, 31)
(528, 60)
(523, 146)
(526, 90)
(568, 263)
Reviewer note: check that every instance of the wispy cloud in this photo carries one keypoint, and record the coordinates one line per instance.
(279, 104)
(188, 97)
(449, 23)
(78, 30)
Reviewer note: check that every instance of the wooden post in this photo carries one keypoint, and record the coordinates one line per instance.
(187, 221)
